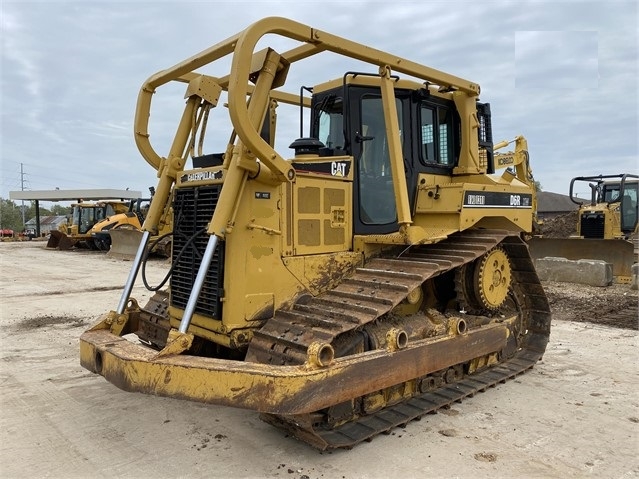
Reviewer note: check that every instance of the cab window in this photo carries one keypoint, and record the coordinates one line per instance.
(330, 123)
(629, 209)
(436, 136)
(376, 193)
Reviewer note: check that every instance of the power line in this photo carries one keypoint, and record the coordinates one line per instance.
(32, 179)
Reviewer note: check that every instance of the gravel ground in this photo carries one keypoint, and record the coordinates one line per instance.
(575, 414)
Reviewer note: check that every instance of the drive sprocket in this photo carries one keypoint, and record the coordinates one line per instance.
(484, 284)
(493, 278)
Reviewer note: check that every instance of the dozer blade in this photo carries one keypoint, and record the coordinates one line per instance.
(283, 390)
(124, 243)
(619, 253)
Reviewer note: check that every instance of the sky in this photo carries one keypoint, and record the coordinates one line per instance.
(563, 73)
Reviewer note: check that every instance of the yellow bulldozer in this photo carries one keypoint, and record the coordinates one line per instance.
(375, 276)
(606, 225)
(612, 210)
(120, 235)
(85, 216)
(132, 219)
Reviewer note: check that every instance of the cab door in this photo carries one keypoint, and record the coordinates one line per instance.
(351, 121)
(374, 206)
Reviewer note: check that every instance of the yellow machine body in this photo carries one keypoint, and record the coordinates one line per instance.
(606, 227)
(120, 234)
(85, 216)
(325, 288)
(612, 212)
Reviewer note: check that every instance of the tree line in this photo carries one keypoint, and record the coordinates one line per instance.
(11, 213)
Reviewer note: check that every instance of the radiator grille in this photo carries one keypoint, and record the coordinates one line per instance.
(592, 225)
(192, 210)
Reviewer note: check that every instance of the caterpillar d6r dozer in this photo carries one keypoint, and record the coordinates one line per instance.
(374, 277)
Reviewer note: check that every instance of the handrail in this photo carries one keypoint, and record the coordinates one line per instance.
(242, 46)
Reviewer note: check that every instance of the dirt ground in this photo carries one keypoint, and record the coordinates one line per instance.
(611, 306)
(561, 226)
(615, 305)
(576, 414)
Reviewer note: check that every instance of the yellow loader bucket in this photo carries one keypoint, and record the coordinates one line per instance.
(619, 253)
(59, 240)
(124, 243)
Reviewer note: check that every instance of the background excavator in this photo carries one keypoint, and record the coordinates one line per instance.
(605, 227)
(376, 276)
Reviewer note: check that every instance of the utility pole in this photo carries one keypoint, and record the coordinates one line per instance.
(22, 188)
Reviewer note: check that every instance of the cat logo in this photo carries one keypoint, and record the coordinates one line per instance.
(338, 168)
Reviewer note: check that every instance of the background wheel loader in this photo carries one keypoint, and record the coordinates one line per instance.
(84, 217)
(377, 275)
(606, 226)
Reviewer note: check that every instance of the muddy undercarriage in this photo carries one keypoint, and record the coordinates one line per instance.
(402, 337)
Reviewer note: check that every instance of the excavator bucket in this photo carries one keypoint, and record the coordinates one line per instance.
(124, 243)
(59, 240)
(621, 254)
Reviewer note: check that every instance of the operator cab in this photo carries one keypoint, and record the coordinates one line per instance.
(347, 117)
(626, 193)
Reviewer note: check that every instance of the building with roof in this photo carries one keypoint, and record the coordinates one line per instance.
(47, 223)
(551, 205)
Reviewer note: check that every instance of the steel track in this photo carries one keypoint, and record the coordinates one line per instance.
(375, 290)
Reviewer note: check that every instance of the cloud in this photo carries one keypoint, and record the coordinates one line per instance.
(556, 60)
(564, 74)
(19, 52)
